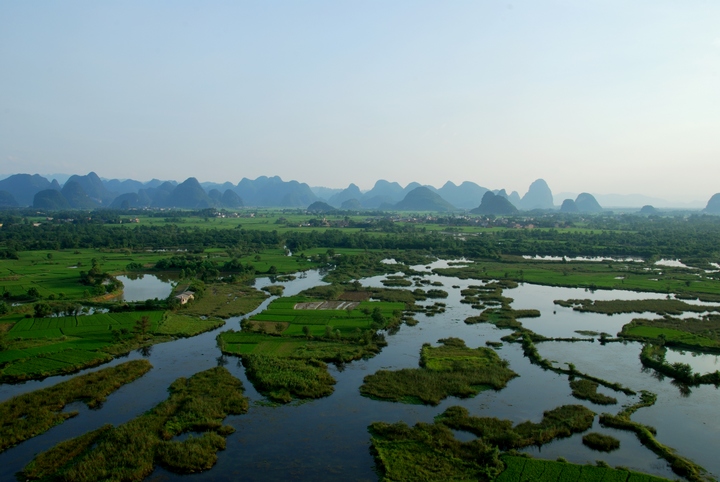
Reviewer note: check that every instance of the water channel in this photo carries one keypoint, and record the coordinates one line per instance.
(327, 439)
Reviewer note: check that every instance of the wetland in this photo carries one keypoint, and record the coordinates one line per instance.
(360, 365)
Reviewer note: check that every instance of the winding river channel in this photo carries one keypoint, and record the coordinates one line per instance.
(327, 439)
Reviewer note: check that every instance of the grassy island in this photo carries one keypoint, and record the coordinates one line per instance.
(431, 452)
(33, 413)
(451, 369)
(130, 451)
(286, 347)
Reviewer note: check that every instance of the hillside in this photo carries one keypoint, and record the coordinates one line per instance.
(423, 199)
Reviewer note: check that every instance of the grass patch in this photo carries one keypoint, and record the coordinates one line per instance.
(130, 451)
(430, 452)
(653, 356)
(526, 469)
(614, 307)
(451, 369)
(700, 334)
(557, 423)
(587, 390)
(281, 379)
(224, 300)
(184, 326)
(601, 442)
(31, 414)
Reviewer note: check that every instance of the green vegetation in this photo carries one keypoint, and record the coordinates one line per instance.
(129, 452)
(41, 347)
(274, 290)
(592, 276)
(431, 452)
(556, 423)
(224, 300)
(653, 356)
(601, 442)
(285, 347)
(701, 334)
(525, 469)
(183, 325)
(33, 413)
(396, 281)
(613, 307)
(679, 464)
(281, 379)
(587, 390)
(451, 369)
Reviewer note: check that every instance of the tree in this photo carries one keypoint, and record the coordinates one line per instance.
(142, 326)
(42, 310)
(377, 316)
(33, 293)
(306, 331)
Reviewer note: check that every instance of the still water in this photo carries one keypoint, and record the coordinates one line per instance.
(327, 439)
(141, 287)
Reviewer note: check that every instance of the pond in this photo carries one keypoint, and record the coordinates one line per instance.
(141, 287)
(327, 439)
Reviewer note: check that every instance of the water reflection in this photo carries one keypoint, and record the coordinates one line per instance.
(333, 431)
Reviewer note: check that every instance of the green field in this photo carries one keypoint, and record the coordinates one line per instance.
(523, 469)
(342, 323)
(183, 325)
(56, 273)
(285, 349)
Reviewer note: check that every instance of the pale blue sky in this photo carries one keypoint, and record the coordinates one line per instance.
(599, 96)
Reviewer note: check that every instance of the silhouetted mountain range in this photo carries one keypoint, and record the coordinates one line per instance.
(90, 191)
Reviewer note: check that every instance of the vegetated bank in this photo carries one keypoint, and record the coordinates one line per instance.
(33, 413)
(196, 405)
(286, 347)
(451, 369)
(431, 452)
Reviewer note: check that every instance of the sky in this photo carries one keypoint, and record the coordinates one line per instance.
(599, 96)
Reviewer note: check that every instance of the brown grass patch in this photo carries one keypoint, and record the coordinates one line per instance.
(355, 296)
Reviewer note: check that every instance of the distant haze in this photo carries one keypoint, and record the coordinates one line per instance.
(598, 96)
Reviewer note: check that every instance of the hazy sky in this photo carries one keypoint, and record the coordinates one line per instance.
(599, 96)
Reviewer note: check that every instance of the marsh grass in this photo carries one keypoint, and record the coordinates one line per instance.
(613, 307)
(451, 369)
(130, 451)
(601, 442)
(185, 326)
(31, 414)
(587, 390)
(701, 334)
(653, 356)
(430, 452)
(224, 300)
(282, 379)
(556, 423)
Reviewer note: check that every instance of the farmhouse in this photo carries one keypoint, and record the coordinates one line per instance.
(185, 296)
